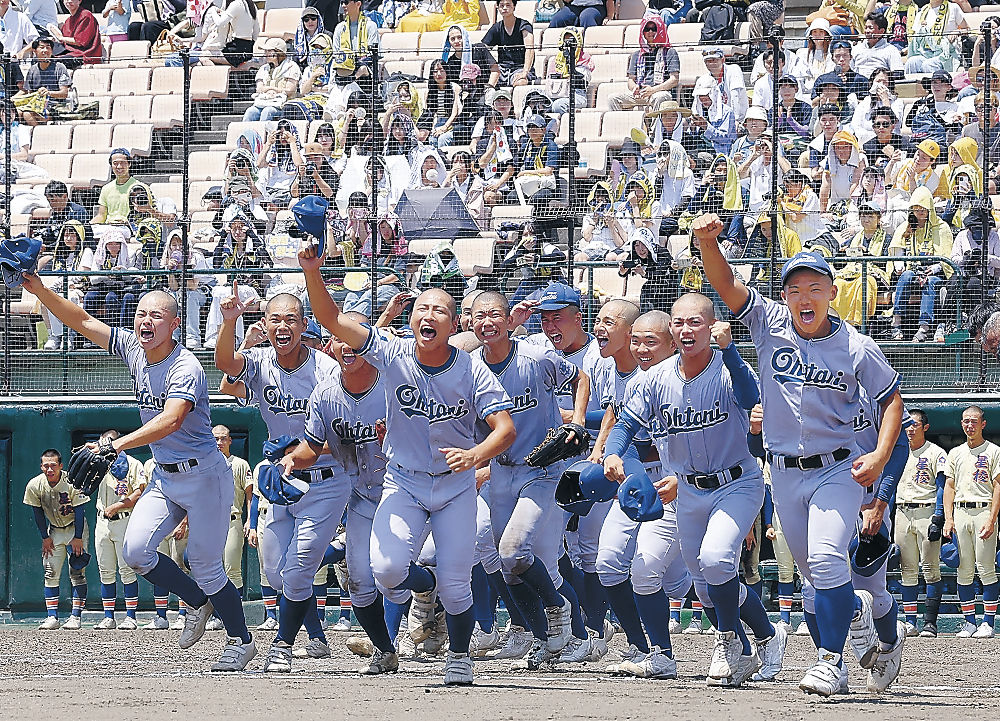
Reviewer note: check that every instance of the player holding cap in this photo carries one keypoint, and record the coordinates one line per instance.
(812, 367)
(190, 476)
(435, 395)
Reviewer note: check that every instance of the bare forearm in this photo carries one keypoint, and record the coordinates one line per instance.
(305, 455)
(948, 501)
(225, 349)
(156, 429)
(581, 397)
(888, 432)
(607, 423)
(74, 316)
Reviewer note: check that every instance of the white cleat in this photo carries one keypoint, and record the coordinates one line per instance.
(599, 644)
(772, 654)
(823, 678)
(967, 630)
(361, 646)
(746, 666)
(194, 624)
(886, 666)
(344, 625)
(179, 622)
(785, 625)
(51, 623)
(215, 624)
(279, 658)
(269, 624)
(405, 648)
(539, 655)
(458, 669)
(985, 630)
(655, 664)
(911, 630)
(726, 656)
(482, 642)
(382, 662)
(577, 650)
(694, 628)
(159, 623)
(516, 644)
(106, 624)
(675, 627)
(421, 621)
(314, 648)
(560, 620)
(236, 655)
(128, 624)
(862, 638)
(631, 655)
(802, 629)
(73, 623)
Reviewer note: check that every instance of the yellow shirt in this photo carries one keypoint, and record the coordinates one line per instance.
(973, 470)
(56, 501)
(112, 490)
(241, 479)
(917, 484)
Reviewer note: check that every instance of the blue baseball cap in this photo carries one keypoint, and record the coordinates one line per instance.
(581, 486)
(807, 260)
(638, 498)
(557, 296)
(312, 330)
(77, 562)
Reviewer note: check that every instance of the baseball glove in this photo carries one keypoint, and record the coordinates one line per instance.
(935, 527)
(566, 441)
(87, 467)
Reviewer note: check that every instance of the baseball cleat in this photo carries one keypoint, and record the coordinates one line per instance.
(516, 644)
(599, 644)
(675, 627)
(726, 656)
(421, 620)
(631, 655)
(482, 642)
(50, 623)
(405, 648)
(159, 623)
(911, 629)
(823, 678)
(360, 646)
(73, 623)
(785, 625)
(929, 630)
(343, 624)
(693, 628)
(746, 666)
(382, 662)
(314, 648)
(772, 654)
(967, 630)
(802, 629)
(279, 658)
(438, 639)
(843, 687)
(560, 622)
(577, 650)
(178, 624)
(106, 624)
(194, 624)
(985, 630)
(215, 624)
(862, 637)
(128, 624)
(236, 655)
(656, 664)
(886, 666)
(270, 624)
(458, 669)
(539, 655)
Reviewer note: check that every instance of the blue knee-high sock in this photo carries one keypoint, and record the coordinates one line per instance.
(834, 610)
(345, 604)
(229, 606)
(482, 595)
(622, 601)
(460, 627)
(695, 611)
(726, 599)
(394, 614)
(990, 592)
(909, 594)
(530, 606)
(571, 574)
(290, 620)
(109, 592)
(569, 593)
(313, 626)
(500, 588)
(594, 602)
(319, 591)
(758, 588)
(268, 592)
(537, 576)
(785, 590)
(753, 614)
(654, 610)
(372, 620)
(418, 579)
(131, 591)
(885, 628)
(967, 595)
(171, 578)
(79, 599)
(161, 596)
(52, 608)
(813, 625)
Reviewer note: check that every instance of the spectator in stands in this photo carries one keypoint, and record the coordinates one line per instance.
(881, 148)
(719, 191)
(932, 41)
(79, 34)
(444, 104)
(63, 209)
(965, 190)
(875, 52)
(497, 161)
(765, 18)
(829, 92)
(427, 169)
(758, 168)
(815, 58)
(899, 14)
(604, 236)
(794, 115)
(16, 31)
(854, 84)
(277, 81)
(315, 175)
(400, 135)
(68, 254)
(351, 40)
(204, 19)
(801, 208)
(728, 85)
(755, 123)
(240, 250)
(882, 101)
(653, 69)
(514, 40)
(843, 17)
(583, 13)
(354, 127)
(470, 186)
(112, 204)
(712, 118)
(105, 297)
(938, 101)
(242, 163)
(328, 9)
(908, 175)
(763, 90)
(977, 131)
(976, 281)
(41, 13)
(117, 16)
(390, 252)
(676, 185)
(239, 201)
(50, 80)
(326, 136)
(143, 205)
(652, 262)
(923, 234)
(502, 103)
(666, 121)
(278, 160)
(315, 84)
(173, 260)
(310, 26)
(151, 29)
(841, 170)
(536, 183)
(239, 27)
(829, 123)
(557, 82)
(869, 241)
(639, 207)
(472, 66)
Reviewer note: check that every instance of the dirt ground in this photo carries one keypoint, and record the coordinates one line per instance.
(142, 675)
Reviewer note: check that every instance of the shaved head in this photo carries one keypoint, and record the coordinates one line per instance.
(625, 309)
(696, 302)
(160, 299)
(655, 320)
(493, 298)
(439, 296)
(286, 299)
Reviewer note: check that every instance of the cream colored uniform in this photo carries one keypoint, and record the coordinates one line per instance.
(110, 534)
(170, 546)
(916, 496)
(974, 470)
(232, 557)
(57, 503)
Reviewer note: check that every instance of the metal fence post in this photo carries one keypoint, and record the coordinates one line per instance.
(7, 130)
(373, 201)
(987, 29)
(569, 50)
(772, 272)
(185, 184)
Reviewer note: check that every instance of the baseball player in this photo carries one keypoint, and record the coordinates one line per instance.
(232, 557)
(190, 476)
(435, 395)
(813, 366)
(525, 520)
(116, 496)
(255, 523)
(279, 380)
(559, 307)
(971, 504)
(919, 521)
(696, 408)
(58, 511)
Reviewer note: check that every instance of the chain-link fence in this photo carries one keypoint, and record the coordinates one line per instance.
(164, 168)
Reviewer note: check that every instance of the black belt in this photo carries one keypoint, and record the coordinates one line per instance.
(808, 463)
(119, 516)
(179, 467)
(914, 505)
(711, 481)
(973, 504)
(307, 476)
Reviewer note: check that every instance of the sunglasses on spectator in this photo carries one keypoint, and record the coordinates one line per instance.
(882, 125)
(649, 29)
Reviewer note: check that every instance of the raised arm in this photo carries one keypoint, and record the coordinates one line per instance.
(227, 358)
(325, 309)
(69, 312)
(734, 294)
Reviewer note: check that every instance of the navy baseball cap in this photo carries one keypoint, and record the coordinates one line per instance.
(810, 261)
(638, 498)
(77, 562)
(557, 296)
(312, 330)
